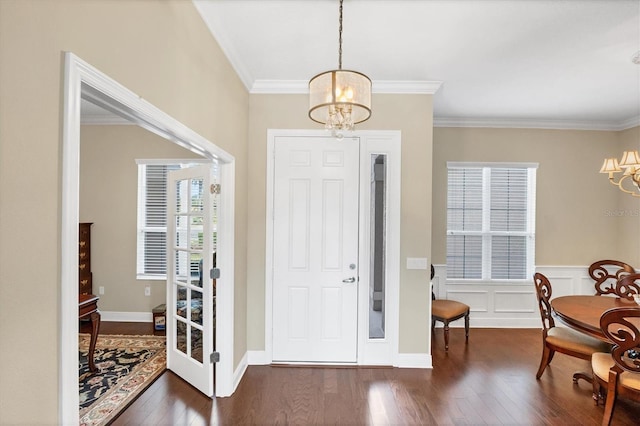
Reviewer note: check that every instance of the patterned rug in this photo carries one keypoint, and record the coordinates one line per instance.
(126, 365)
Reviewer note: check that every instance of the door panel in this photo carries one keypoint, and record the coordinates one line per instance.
(315, 284)
(190, 292)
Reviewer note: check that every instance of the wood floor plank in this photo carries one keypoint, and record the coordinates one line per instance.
(490, 381)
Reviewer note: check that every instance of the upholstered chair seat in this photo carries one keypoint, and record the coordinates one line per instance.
(448, 309)
(602, 363)
(574, 341)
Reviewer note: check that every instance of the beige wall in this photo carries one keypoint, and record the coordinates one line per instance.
(162, 51)
(627, 216)
(574, 220)
(412, 114)
(108, 198)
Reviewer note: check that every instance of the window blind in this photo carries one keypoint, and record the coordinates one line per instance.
(152, 219)
(490, 222)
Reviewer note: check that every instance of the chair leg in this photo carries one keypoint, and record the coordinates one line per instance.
(610, 402)
(466, 327)
(446, 336)
(547, 355)
(584, 376)
(597, 391)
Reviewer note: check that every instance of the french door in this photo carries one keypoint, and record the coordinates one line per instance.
(191, 241)
(315, 236)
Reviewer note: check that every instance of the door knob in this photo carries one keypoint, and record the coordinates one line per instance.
(349, 280)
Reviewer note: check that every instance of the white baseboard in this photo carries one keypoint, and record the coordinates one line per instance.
(404, 360)
(126, 316)
(418, 360)
(495, 323)
(239, 371)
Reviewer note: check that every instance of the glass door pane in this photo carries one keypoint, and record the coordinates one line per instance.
(378, 243)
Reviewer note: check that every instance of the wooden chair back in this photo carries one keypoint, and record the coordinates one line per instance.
(607, 273)
(543, 293)
(628, 286)
(618, 325)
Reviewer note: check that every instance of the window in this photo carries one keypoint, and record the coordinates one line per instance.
(491, 221)
(152, 219)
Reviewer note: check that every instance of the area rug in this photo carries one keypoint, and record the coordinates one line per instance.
(126, 366)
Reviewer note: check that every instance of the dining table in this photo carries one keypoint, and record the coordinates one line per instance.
(583, 313)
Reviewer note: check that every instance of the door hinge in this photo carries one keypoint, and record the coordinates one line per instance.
(215, 357)
(214, 273)
(215, 188)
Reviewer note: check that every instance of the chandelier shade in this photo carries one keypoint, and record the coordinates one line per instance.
(339, 99)
(629, 165)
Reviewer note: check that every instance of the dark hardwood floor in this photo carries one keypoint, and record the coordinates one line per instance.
(489, 382)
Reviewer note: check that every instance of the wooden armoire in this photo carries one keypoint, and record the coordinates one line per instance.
(84, 259)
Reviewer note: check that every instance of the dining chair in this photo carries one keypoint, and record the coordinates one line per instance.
(616, 372)
(628, 286)
(561, 339)
(607, 273)
(445, 311)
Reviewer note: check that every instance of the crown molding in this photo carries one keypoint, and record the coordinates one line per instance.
(536, 124)
(415, 87)
(630, 123)
(225, 45)
(280, 87)
(381, 87)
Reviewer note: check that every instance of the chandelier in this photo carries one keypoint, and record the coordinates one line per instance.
(340, 99)
(630, 166)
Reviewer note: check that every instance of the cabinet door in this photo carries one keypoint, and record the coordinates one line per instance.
(84, 259)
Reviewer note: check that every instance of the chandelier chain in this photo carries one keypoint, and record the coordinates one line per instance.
(340, 39)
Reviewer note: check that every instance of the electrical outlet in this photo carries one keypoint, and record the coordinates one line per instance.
(147, 291)
(101, 290)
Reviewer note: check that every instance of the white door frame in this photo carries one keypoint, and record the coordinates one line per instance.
(83, 81)
(370, 351)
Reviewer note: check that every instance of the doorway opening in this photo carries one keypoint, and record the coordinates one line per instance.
(82, 81)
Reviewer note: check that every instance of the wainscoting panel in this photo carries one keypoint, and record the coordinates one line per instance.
(515, 301)
(510, 305)
(477, 299)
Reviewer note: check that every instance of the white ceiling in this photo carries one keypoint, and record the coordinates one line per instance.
(545, 63)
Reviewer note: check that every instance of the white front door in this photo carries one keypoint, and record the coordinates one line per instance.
(315, 253)
(190, 289)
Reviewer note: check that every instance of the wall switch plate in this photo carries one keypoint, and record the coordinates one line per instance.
(417, 263)
(147, 291)
(101, 290)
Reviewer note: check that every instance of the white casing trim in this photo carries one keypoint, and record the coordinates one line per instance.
(83, 81)
(369, 353)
